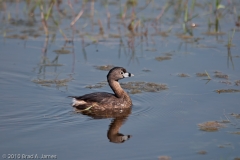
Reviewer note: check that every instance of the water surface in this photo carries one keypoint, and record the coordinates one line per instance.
(37, 118)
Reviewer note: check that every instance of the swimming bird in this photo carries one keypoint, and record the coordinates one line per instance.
(104, 100)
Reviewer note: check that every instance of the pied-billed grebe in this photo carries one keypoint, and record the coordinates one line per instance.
(103, 100)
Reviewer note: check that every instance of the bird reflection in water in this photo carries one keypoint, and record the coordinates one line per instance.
(119, 118)
(113, 131)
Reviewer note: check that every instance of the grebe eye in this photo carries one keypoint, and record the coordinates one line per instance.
(121, 72)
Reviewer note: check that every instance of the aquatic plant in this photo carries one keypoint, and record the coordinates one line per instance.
(162, 58)
(139, 87)
(62, 51)
(164, 158)
(235, 115)
(99, 85)
(183, 75)
(201, 74)
(237, 82)
(210, 126)
(221, 75)
(104, 67)
(230, 38)
(209, 78)
(226, 82)
(218, 6)
(202, 152)
(238, 132)
(227, 90)
(49, 82)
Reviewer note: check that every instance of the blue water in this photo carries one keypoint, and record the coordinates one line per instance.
(37, 119)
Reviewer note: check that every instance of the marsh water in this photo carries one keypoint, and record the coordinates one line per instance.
(54, 49)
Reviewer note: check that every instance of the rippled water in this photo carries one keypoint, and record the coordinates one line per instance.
(38, 119)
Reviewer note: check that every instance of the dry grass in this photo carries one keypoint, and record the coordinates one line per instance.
(221, 75)
(213, 33)
(104, 68)
(135, 91)
(227, 90)
(184, 37)
(202, 152)
(49, 82)
(201, 74)
(95, 86)
(164, 158)
(235, 115)
(135, 87)
(139, 87)
(163, 58)
(210, 126)
(183, 75)
(237, 82)
(15, 36)
(226, 82)
(62, 51)
(236, 132)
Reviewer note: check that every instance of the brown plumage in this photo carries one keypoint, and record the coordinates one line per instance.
(103, 100)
